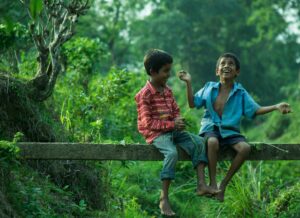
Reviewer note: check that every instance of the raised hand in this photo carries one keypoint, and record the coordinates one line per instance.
(184, 76)
(284, 108)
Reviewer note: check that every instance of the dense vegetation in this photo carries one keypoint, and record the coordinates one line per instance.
(100, 70)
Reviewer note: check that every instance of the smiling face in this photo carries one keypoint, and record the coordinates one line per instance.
(227, 69)
(161, 77)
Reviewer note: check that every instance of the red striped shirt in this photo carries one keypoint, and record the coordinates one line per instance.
(156, 111)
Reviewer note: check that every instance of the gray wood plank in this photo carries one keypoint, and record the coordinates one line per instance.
(141, 152)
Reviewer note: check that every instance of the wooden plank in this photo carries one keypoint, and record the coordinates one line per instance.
(141, 152)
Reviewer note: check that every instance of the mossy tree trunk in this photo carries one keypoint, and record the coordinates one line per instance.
(51, 26)
(22, 101)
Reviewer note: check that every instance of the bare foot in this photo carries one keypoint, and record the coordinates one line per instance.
(220, 195)
(207, 190)
(214, 186)
(165, 207)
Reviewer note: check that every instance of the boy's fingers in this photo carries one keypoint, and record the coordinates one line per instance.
(286, 105)
(286, 110)
(181, 74)
(182, 124)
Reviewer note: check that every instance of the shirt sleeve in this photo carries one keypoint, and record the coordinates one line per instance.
(199, 100)
(176, 110)
(146, 120)
(249, 105)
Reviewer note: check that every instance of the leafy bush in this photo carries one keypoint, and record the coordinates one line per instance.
(287, 204)
(9, 150)
(277, 125)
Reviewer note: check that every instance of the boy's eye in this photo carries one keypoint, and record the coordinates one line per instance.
(229, 63)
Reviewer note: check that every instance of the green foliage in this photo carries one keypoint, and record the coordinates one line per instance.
(85, 111)
(277, 125)
(134, 185)
(13, 38)
(82, 55)
(9, 150)
(292, 91)
(196, 34)
(115, 90)
(12, 11)
(94, 100)
(35, 7)
(133, 209)
(31, 194)
(245, 195)
(35, 196)
(109, 21)
(27, 65)
(287, 204)
(6, 36)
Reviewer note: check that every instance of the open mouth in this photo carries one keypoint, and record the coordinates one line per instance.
(226, 71)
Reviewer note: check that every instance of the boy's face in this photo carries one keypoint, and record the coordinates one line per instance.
(226, 69)
(161, 77)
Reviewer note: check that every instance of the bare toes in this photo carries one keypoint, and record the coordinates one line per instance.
(165, 208)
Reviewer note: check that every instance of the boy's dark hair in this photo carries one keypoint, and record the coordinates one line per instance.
(229, 55)
(155, 59)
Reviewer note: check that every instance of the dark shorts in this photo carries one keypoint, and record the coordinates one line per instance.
(223, 142)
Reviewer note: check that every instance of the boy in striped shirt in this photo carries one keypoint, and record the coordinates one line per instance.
(159, 121)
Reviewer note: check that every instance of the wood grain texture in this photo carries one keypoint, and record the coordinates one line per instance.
(141, 152)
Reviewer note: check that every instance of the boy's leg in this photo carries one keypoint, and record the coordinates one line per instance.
(194, 145)
(243, 150)
(212, 153)
(202, 188)
(164, 203)
(166, 146)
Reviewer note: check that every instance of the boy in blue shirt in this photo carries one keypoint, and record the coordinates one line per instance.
(225, 103)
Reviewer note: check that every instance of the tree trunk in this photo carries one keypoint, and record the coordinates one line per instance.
(22, 108)
(19, 113)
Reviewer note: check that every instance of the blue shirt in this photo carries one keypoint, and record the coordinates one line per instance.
(238, 104)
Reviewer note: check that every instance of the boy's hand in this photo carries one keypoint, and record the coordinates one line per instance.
(283, 107)
(184, 76)
(179, 123)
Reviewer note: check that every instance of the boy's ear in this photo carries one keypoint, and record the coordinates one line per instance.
(237, 73)
(152, 71)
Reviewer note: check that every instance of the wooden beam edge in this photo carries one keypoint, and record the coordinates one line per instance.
(141, 152)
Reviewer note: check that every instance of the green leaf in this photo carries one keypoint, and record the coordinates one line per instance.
(35, 7)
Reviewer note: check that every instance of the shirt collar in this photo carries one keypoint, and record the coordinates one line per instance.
(153, 89)
(236, 86)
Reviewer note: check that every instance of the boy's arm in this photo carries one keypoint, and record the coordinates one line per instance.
(179, 121)
(175, 108)
(283, 107)
(184, 76)
(144, 111)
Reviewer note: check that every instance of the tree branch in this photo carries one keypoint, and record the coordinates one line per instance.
(51, 29)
